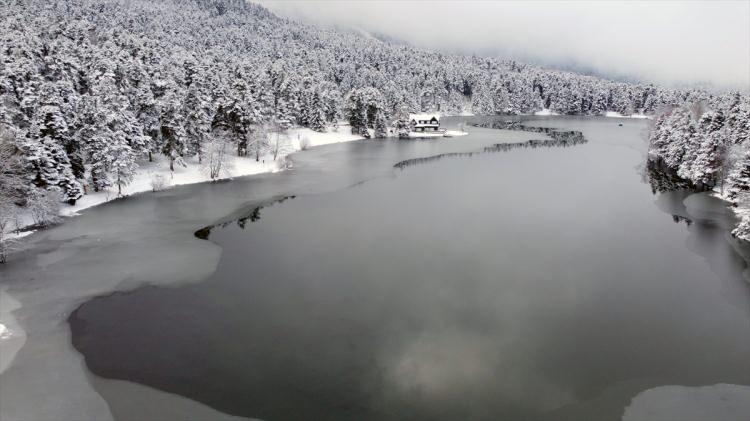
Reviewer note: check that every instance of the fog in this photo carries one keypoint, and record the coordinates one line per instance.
(665, 42)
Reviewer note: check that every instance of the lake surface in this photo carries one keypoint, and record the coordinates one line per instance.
(532, 283)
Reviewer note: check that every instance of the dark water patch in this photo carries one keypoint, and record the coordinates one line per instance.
(664, 179)
(252, 215)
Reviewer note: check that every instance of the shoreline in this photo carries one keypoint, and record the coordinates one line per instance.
(237, 167)
(191, 174)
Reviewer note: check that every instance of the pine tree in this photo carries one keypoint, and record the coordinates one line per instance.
(381, 125)
(172, 132)
(738, 180)
(46, 154)
(356, 112)
(708, 160)
(197, 118)
(122, 165)
(316, 113)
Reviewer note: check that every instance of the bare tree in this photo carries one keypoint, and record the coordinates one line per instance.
(215, 156)
(258, 140)
(8, 218)
(44, 206)
(159, 182)
(276, 142)
(304, 143)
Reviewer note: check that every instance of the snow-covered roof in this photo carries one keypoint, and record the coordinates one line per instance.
(419, 117)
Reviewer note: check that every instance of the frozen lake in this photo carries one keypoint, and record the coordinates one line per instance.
(545, 283)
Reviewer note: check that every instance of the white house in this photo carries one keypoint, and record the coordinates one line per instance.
(424, 122)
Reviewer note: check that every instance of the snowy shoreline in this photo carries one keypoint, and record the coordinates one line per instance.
(193, 173)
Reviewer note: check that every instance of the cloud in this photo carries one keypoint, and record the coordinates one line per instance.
(665, 42)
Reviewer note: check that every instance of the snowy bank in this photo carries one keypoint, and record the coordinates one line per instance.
(455, 133)
(156, 175)
(545, 111)
(615, 114)
(429, 135)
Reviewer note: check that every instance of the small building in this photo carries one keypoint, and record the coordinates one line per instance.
(424, 122)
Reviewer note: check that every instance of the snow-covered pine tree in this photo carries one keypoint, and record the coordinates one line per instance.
(198, 117)
(148, 113)
(381, 125)
(172, 132)
(356, 111)
(316, 113)
(122, 165)
(47, 156)
(707, 164)
(738, 179)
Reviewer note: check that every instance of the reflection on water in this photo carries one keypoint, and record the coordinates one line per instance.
(541, 284)
(663, 179)
(251, 215)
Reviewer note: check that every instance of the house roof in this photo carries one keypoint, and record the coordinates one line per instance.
(419, 117)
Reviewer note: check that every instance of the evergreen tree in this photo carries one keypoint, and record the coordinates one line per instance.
(381, 125)
(316, 113)
(172, 132)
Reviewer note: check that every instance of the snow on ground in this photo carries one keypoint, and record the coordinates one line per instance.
(17, 235)
(424, 135)
(342, 134)
(150, 172)
(455, 133)
(428, 135)
(615, 114)
(545, 111)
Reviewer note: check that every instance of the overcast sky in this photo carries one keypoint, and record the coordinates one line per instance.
(665, 42)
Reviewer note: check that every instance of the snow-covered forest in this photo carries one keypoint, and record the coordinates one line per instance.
(90, 89)
(707, 143)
